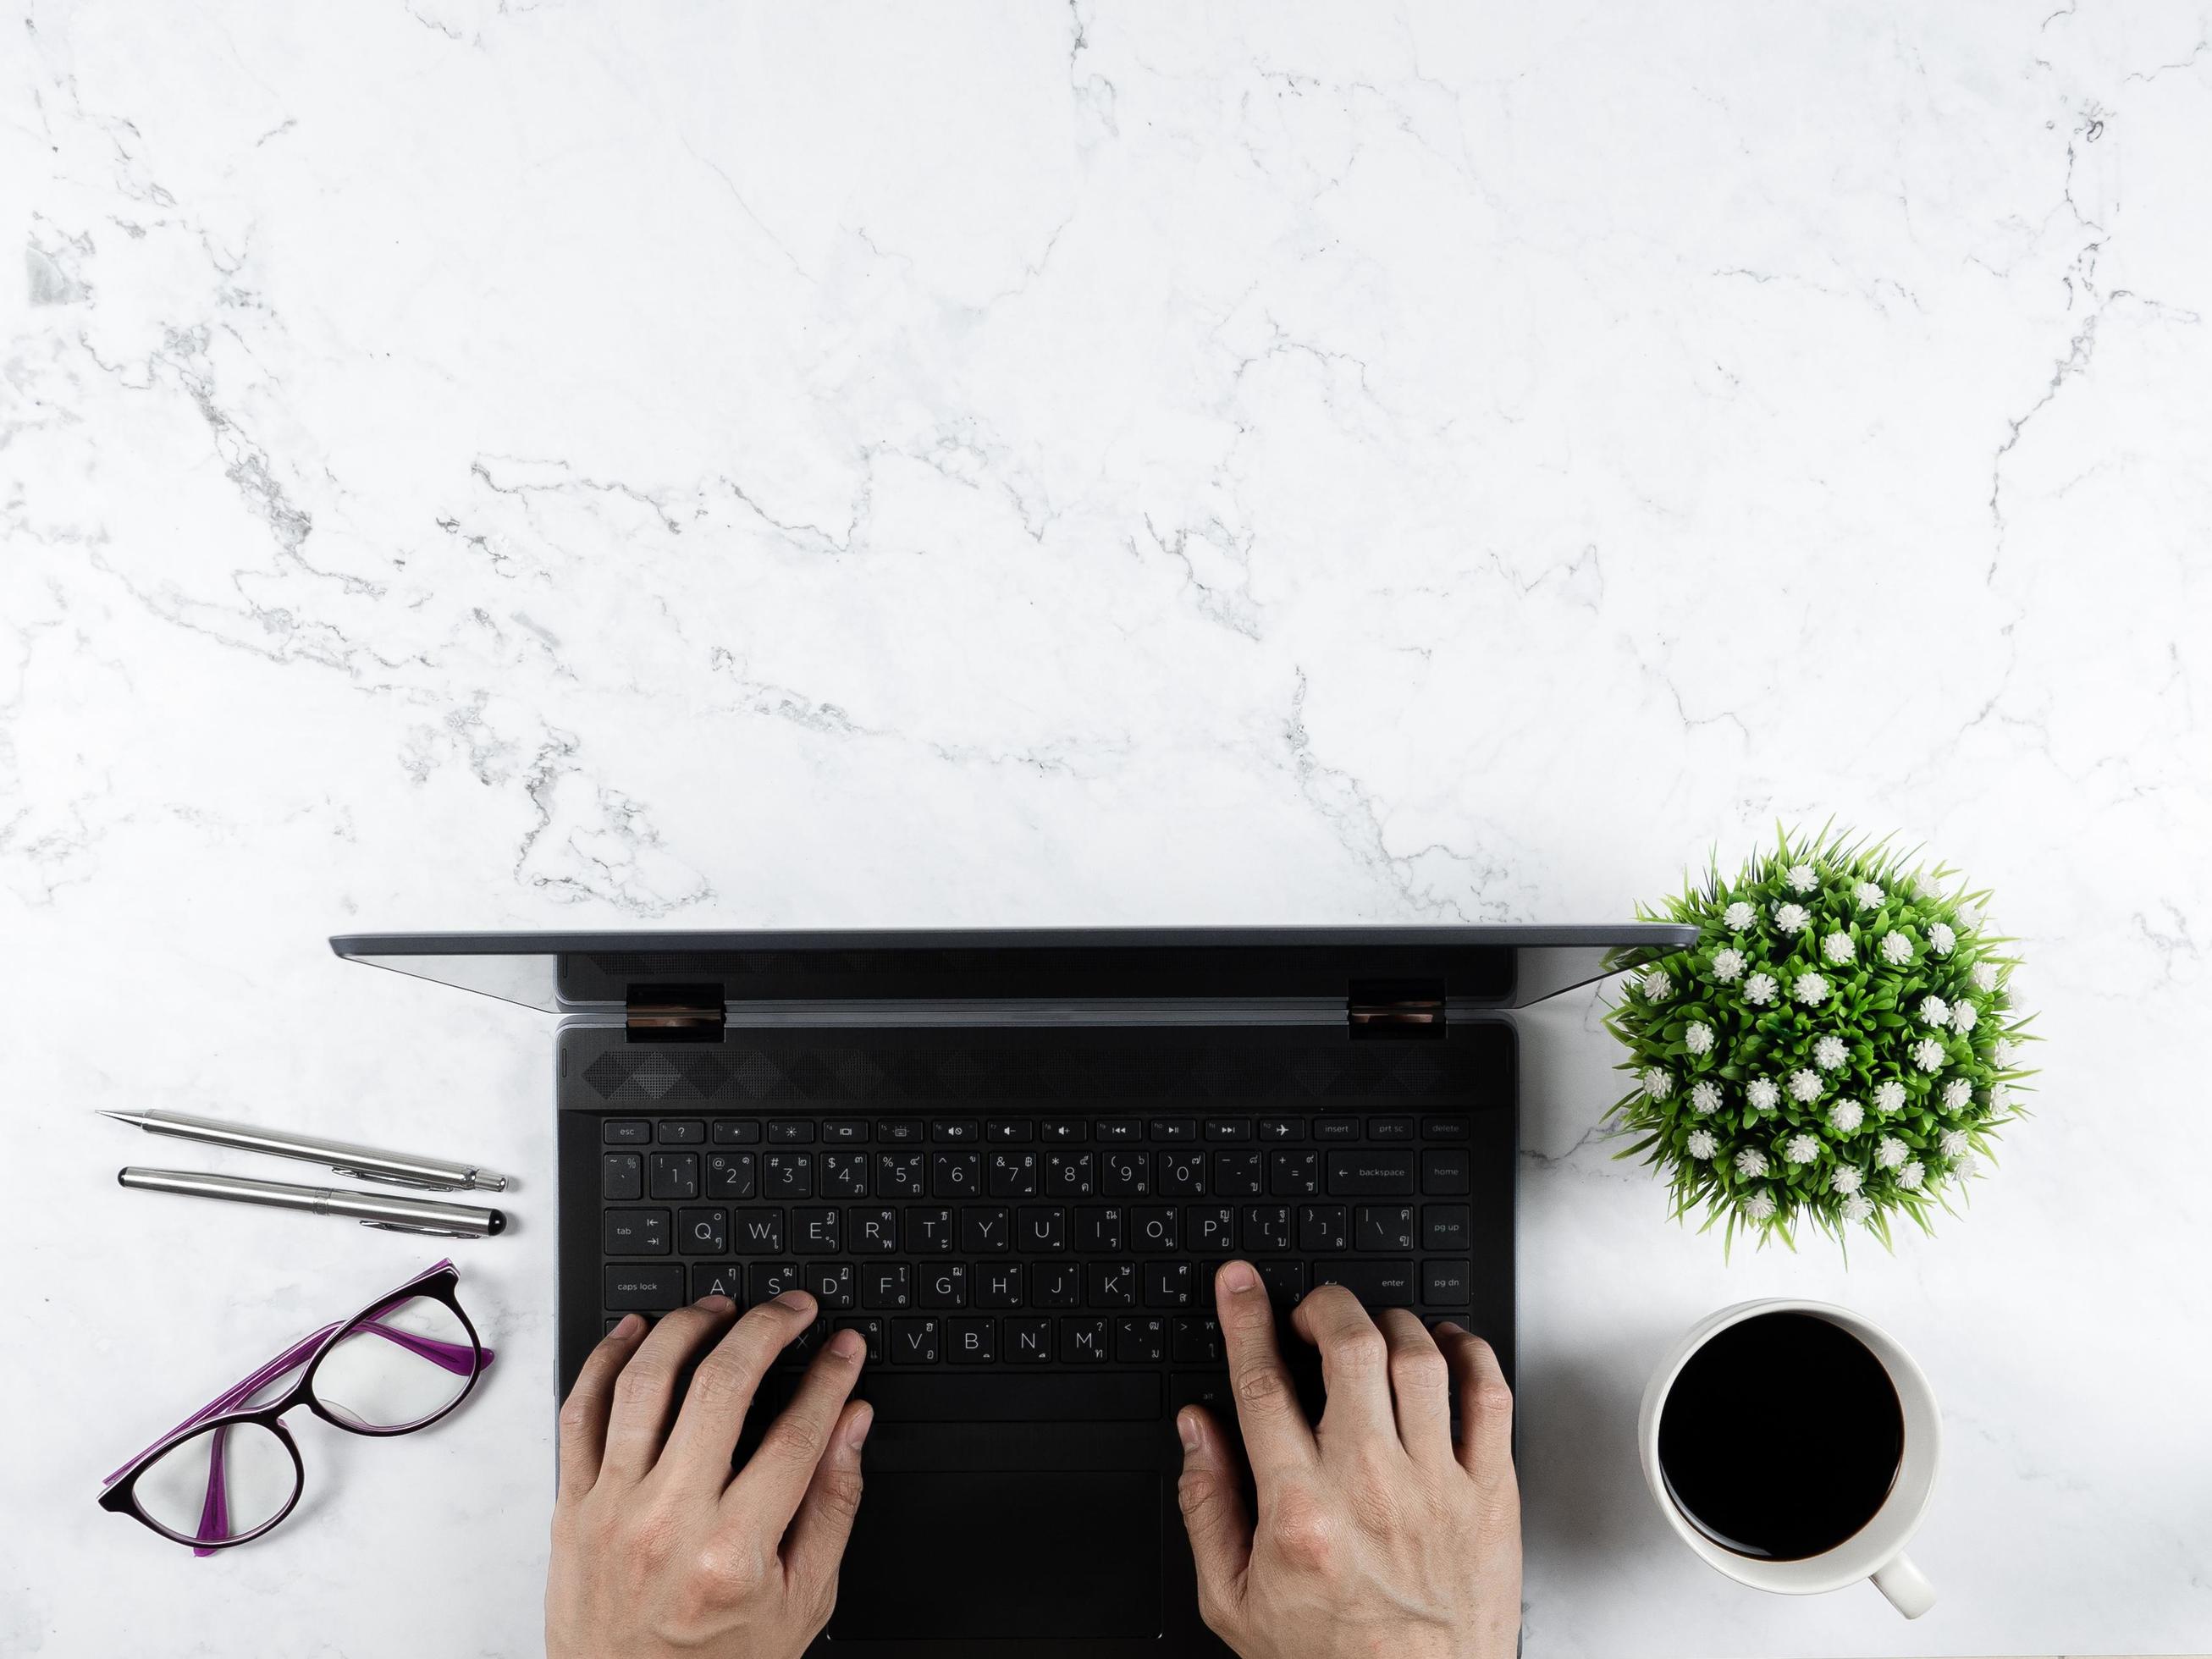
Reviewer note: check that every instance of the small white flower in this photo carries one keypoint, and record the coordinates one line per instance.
(1912, 1175)
(1658, 985)
(1845, 1180)
(1837, 947)
(1889, 1151)
(1963, 1017)
(1868, 896)
(1701, 1144)
(1896, 949)
(1760, 1207)
(1956, 1094)
(1728, 966)
(1705, 1097)
(1811, 989)
(1801, 879)
(1657, 1084)
(1941, 938)
(1968, 1165)
(1751, 1162)
(1804, 1084)
(1801, 1149)
(1984, 974)
(1935, 1011)
(2000, 1097)
(1889, 1097)
(1829, 1052)
(1763, 1095)
(1738, 916)
(1954, 1143)
(1759, 990)
(1928, 1054)
(1698, 1037)
(1856, 1209)
(2006, 1051)
(1846, 1115)
(1792, 918)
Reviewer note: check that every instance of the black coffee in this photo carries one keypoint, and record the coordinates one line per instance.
(1781, 1437)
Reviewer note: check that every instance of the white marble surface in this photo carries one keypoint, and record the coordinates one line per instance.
(471, 465)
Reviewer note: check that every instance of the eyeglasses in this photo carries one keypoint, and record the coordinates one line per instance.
(230, 1472)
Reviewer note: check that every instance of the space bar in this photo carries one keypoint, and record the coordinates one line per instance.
(987, 1397)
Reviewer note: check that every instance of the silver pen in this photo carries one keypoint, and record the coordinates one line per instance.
(436, 1175)
(399, 1215)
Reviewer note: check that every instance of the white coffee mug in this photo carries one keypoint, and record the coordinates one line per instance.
(1876, 1550)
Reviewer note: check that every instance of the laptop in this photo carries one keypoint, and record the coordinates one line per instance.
(1012, 1160)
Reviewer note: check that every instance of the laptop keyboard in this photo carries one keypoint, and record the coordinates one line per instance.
(1014, 1243)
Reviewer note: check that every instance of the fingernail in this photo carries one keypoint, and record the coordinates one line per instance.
(857, 1429)
(1187, 1429)
(1450, 1328)
(1239, 1276)
(796, 1300)
(847, 1345)
(628, 1325)
(716, 1304)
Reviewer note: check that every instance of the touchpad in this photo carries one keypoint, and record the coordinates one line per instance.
(977, 1556)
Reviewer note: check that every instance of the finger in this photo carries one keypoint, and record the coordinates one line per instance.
(639, 1416)
(815, 1548)
(1420, 1386)
(723, 1388)
(1486, 1404)
(767, 1492)
(1354, 1366)
(1213, 1498)
(584, 1413)
(1276, 1433)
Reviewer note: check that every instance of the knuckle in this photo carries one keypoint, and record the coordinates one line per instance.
(575, 1416)
(840, 1492)
(796, 1441)
(1303, 1535)
(641, 1385)
(1263, 1391)
(1420, 1371)
(1195, 1495)
(1492, 1398)
(723, 1381)
(1359, 1354)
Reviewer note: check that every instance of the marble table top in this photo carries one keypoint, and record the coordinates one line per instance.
(473, 464)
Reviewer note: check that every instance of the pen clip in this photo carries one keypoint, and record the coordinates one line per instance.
(391, 1180)
(410, 1227)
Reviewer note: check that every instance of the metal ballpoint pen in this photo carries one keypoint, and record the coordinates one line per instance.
(399, 1215)
(436, 1175)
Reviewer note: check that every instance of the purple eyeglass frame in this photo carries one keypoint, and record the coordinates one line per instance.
(439, 1282)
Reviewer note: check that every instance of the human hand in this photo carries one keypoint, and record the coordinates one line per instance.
(1375, 1535)
(657, 1548)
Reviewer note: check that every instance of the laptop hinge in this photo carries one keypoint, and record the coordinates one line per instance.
(1399, 1008)
(674, 1013)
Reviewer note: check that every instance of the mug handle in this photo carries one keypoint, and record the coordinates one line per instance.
(1906, 1587)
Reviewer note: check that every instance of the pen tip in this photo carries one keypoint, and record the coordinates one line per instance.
(118, 1116)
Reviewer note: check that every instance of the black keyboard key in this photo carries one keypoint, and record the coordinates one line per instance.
(1293, 1175)
(1267, 1228)
(637, 1233)
(770, 1279)
(622, 1176)
(804, 1347)
(1323, 1228)
(816, 1232)
(787, 1175)
(1195, 1340)
(1209, 1389)
(1117, 1128)
(955, 1174)
(1061, 1131)
(984, 1230)
(1444, 1174)
(844, 1175)
(956, 1132)
(974, 1341)
(829, 1282)
(872, 1232)
(1013, 1175)
(735, 1131)
(1124, 1173)
(1169, 1284)
(1444, 1128)
(1028, 1340)
(682, 1132)
(1377, 1174)
(1211, 1227)
(901, 1131)
(1139, 1341)
(790, 1132)
(1389, 1129)
(1281, 1128)
(702, 1232)
(1336, 1128)
(1446, 1227)
(916, 1341)
(1056, 1284)
(1228, 1128)
(887, 1284)
(1175, 1128)
(872, 1334)
(844, 1132)
(1384, 1226)
(1155, 1227)
(1042, 1227)
(1238, 1175)
(998, 1285)
(901, 1175)
(1375, 1282)
(928, 1232)
(757, 1232)
(719, 1279)
(1069, 1175)
(944, 1285)
(1111, 1284)
(1444, 1284)
(1099, 1230)
(626, 1132)
(640, 1289)
(1285, 1282)
(675, 1174)
(1085, 1339)
(732, 1174)
(1009, 1131)
(1181, 1173)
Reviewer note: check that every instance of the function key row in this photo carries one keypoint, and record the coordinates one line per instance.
(1051, 1131)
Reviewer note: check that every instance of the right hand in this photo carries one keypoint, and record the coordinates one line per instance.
(1374, 1535)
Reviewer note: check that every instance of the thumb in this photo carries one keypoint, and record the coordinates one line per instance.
(1213, 1514)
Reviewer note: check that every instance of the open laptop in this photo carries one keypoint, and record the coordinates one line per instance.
(1012, 1161)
